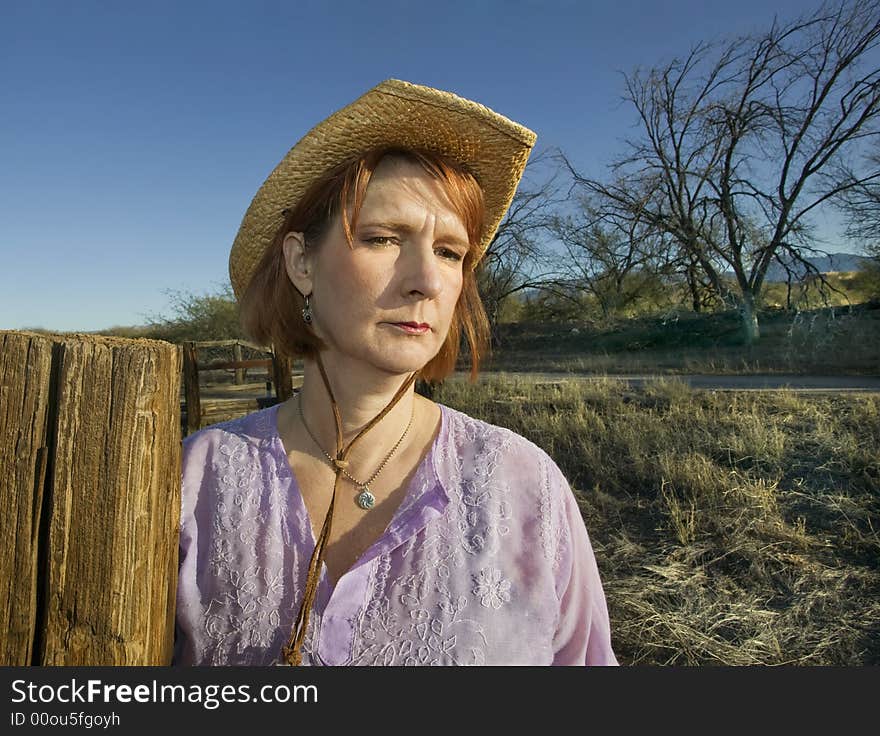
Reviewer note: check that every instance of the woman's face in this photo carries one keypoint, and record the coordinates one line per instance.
(405, 266)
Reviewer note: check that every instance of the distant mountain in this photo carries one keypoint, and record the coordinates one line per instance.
(823, 264)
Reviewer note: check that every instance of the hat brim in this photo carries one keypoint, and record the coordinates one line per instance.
(392, 114)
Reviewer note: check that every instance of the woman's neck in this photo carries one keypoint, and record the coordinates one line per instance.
(359, 401)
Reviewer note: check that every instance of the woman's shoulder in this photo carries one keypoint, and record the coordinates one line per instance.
(467, 428)
(484, 464)
(468, 436)
(229, 457)
(255, 428)
(242, 443)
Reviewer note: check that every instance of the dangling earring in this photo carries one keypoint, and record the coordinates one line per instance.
(307, 311)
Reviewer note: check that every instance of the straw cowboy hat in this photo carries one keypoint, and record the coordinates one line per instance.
(392, 114)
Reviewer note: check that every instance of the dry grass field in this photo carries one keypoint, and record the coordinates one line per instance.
(730, 528)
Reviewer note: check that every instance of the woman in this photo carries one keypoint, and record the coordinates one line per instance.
(359, 522)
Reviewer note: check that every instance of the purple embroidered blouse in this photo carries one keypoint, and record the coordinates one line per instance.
(485, 562)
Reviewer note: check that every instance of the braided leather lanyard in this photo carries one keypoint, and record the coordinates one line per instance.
(291, 652)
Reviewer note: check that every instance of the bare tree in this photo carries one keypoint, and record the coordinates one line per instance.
(516, 259)
(860, 202)
(616, 259)
(741, 141)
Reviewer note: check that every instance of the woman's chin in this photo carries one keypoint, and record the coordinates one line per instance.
(400, 367)
(401, 363)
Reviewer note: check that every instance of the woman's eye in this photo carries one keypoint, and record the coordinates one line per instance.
(382, 240)
(451, 254)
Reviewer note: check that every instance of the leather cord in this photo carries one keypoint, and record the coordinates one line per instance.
(292, 652)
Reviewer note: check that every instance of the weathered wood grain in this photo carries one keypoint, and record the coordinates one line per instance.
(25, 377)
(113, 500)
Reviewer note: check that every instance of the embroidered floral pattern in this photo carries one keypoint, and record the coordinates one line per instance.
(492, 590)
(460, 584)
(476, 522)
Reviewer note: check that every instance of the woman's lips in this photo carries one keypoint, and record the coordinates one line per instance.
(410, 328)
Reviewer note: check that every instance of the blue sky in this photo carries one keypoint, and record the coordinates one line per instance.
(133, 135)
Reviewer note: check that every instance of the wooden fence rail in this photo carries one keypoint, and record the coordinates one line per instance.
(89, 499)
(278, 367)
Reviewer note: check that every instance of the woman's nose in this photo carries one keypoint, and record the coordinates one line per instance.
(422, 270)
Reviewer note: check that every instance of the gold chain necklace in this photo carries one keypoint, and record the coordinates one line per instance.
(365, 499)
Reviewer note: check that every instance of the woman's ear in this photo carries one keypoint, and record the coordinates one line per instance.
(298, 262)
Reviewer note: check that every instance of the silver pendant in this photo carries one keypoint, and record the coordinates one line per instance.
(365, 499)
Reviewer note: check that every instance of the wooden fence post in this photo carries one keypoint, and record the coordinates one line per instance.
(191, 388)
(25, 385)
(90, 461)
(282, 367)
(236, 356)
